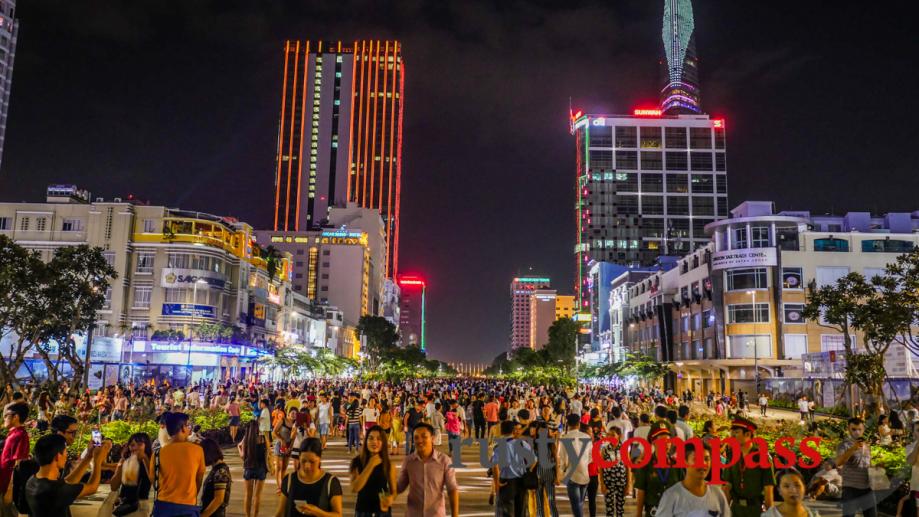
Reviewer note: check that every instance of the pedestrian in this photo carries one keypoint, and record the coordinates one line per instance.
(310, 490)
(254, 453)
(804, 408)
(215, 492)
(651, 482)
(47, 494)
(15, 450)
(791, 488)
(453, 424)
(178, 471)
(426, 474)
(510, 467)
(574, 464)
(355, 417)
(324, 418)
(283, 441)
(438, 423)
(750, 490)
(373, 477)
(232, 409)
(693, 496)
(133, 479)
(614, 480)
(853, 456)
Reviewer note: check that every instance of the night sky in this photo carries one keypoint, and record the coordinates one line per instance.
(177, 102)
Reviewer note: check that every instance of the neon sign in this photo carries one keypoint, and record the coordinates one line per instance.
(718, 123)
(646, 112)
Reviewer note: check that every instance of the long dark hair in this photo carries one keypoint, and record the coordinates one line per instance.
(364, 457)
(251, 445)
(144, 439)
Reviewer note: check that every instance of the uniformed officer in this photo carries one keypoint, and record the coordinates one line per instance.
(650, 481)
(748, 488)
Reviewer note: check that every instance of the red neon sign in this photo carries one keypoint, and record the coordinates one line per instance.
(577, 115)
(718, 123)
(411, 280)
(646, 112)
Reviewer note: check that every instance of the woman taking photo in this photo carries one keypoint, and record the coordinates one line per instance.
(310, 490)
(373, 477)
(253, 451)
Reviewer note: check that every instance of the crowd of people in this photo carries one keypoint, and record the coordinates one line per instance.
(415, 424)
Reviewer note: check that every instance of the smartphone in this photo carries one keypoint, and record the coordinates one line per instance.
(97, 437)
(299, 502)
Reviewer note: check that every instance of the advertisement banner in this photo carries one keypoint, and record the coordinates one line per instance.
(175, 277)
(104, 349)
(753, 257)
(189, 309)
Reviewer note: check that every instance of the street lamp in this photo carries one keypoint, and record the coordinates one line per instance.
(191, 331)
(755, 352)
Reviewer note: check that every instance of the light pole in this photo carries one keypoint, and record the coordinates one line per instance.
(755, 352)
(191, 331)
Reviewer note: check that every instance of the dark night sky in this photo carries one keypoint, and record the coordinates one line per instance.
(177, 102)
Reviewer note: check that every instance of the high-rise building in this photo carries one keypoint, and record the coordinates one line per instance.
(522, 289)
(9, 30)
(340, 134)
(680, 65)
(411, 310)
(565, 306)
(542, 315)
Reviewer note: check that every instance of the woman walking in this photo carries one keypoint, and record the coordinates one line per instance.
(254, 454)
(614, 480)
(310, 490)
(283, 440)
(215, 492)
(373, 476)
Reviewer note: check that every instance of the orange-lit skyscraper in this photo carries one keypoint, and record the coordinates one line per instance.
(340, 134)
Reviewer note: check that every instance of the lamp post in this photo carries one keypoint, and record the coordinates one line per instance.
(755, 352)
(191, 332)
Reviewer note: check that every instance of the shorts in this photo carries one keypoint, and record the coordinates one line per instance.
(258, 474)
(323, 429)
(234, 421)
(277, 450)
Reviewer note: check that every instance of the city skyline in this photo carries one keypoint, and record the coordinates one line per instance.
(191, 121)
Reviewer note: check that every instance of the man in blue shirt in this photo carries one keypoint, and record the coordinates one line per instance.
(511, 458)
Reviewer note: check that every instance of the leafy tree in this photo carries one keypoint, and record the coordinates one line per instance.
(381, 337)
(837, 306)
(22, 307)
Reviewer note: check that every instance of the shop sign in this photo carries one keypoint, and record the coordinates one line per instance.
(104, 349)
(175, 277)
(197, 347)
(189, 309)
(753, 257)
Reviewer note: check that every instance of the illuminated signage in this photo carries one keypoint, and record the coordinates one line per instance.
(531, 280)
(189, 309)
(176, 277)
(581, 123)
(646, 112)
(577, 115)
(289, 239)
(411, 282)
(751, 257)
(342, 233)
(718, 123)
(600, 121)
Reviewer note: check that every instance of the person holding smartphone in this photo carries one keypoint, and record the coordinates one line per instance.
(853, 456)
(310, 490)
(373, 477)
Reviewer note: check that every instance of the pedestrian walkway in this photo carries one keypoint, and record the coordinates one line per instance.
(475, 488)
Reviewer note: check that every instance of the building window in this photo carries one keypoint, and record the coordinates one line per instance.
(145, 262)
(601, 159)
(139, 329)
(743, 313)
(4, 223)
(652, 205)
(829, 275)
(678, 205)
(759, 237)
(652, 161)
(72, 225)
(722, 184)
(740, 237)
(675, 137)
(831, 245)
(708, 318)
(175, 295)
(601, 136)
(40, 224)
(794, 313)
(703, 205)
(651, 137)
(703, 184)
(626, 181)
(700, 161)
(787, 238)
(142, 297)
(626, 160)
(652, 183)
(676, 161)
(751, 346)
(626, 136)
(720, 162)
(149, 225)
(792, 278)
(626, 204)
(24, 224)
(886, 246)
(795, 345)
(107, 305)
(742, 279)
(700, 138)
(178, 260)
(832, 343)
(677, 183)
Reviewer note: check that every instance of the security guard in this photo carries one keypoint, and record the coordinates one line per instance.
(650, 481)
(749, 489)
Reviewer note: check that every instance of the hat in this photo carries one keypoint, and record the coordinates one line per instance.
(743, 423)
(657, 429)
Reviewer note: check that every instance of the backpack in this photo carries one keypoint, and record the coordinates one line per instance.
(21, 474)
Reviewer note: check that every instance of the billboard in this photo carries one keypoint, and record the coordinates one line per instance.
(189, 309)
(750, 257)
(181, 278)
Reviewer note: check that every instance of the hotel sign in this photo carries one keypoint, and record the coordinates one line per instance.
(175, 277)
(753, 257)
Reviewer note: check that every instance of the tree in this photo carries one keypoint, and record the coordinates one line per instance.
(562, 346)
(21, 305)
(837, 306)
(381, 337)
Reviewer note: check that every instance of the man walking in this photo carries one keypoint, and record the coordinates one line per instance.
(854, 457)
(426, 474)
(573, 462)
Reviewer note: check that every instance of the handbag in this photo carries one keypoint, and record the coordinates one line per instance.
(877, 479)
(531, 480)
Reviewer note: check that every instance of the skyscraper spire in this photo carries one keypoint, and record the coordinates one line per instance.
(681, 67)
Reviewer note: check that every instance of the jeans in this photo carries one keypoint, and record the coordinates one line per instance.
(508, 500)
(409, 442)
(450, 438)
(354, 436)
(856, 500)
(576, 493)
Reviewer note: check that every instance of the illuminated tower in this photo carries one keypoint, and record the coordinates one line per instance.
(522, 292)
(9, 31)
(411, 311)
(340, 134)
(680, 93)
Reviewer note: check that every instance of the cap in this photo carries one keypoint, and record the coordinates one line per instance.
(658, 429)
(743, 423)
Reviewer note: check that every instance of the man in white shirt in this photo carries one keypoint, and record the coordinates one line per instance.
(682, 413)
(573, 457)
(803, 408)
(693, 497)
(644, 427)
(623, 423)
(576, 406)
